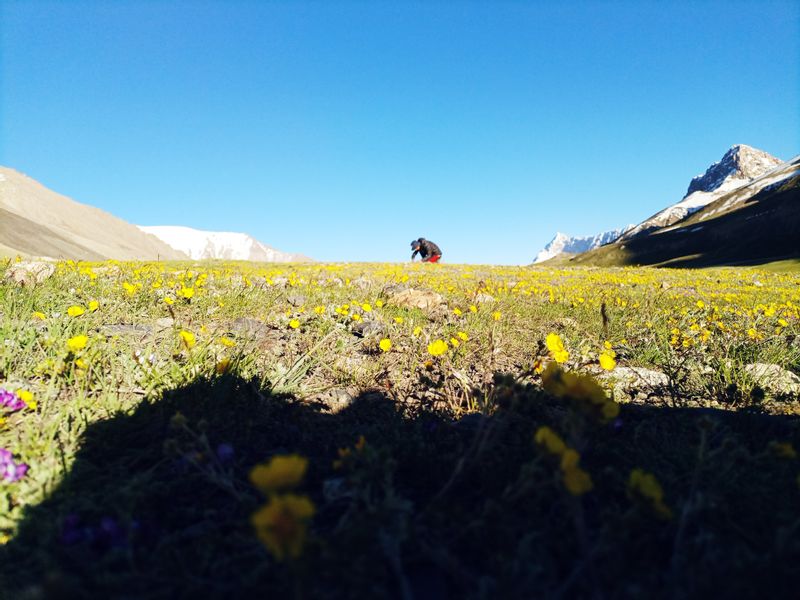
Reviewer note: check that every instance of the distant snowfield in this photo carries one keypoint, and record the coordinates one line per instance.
(225, 245)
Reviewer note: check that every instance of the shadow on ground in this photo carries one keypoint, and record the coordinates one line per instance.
(156, 506)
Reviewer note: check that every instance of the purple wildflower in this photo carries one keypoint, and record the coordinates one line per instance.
(72, 530)
(10, 470)
(225, 453)
(10, 400)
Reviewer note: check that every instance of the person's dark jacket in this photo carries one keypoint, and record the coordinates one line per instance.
(426, 248)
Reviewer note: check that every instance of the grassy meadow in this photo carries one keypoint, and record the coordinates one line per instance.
(399, 431)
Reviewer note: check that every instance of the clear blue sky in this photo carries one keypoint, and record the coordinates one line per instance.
(344, 130)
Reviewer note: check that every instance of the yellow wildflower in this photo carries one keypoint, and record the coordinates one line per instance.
(437, 348)
(227, 342)
(187, 337)
(385, 344)
(281, 525)
(556, 347)
(577, 481)
(782, 449)
(39, 315)
(294, 323)
(646, 486)
(27, 397)
(464, 337)
(280, 473)
(93, 305)
(417, 331)
(496, 315)
(550, 440)
(607, 361)
(75, 311)
(77, 343)
(366, 307)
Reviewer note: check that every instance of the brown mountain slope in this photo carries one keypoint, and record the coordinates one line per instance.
(37, 221)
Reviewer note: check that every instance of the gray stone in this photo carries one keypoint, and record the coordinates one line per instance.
(135, 329)
(30, 273)
(248, 327)
(367, 328)
(296, 299)
(774, 379)
(422, 299)
(165, 323)
(336, 399)
(636, 383)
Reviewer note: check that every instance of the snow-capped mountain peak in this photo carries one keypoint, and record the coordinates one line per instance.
(575, 245)
(741, 162)
(738, 167)
(199, 244)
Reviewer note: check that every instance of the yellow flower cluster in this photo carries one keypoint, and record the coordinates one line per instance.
(437, 347)
(556, 348)
(581, 388)
(607, 357)
(575, 479)
(645, 486)
(282, 523)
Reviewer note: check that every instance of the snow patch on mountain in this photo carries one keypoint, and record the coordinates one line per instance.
(199, 244)
(738, 167)
(775, 178)
(576, 245)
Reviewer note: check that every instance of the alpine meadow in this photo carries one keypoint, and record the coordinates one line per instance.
(200, 429)
(378, 300)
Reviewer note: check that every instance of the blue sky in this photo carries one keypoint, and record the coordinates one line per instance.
(344, 130)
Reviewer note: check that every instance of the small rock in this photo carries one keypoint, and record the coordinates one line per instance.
(280, 281)
(636, 383)
(336, 399)
(248, 327)
(393, 288)
(30, 273)
(165, 323)
(566, 323)
(775, 380)
(422, 299)
(362, 283)
(483, 298)
(367, 328)
(140, 329)
(296, 299)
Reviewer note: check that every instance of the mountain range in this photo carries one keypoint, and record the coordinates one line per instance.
(36, 221)
(744, 209)
(565, 244)
(199, 245)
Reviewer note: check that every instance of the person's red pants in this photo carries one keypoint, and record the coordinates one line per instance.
(434, 258)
